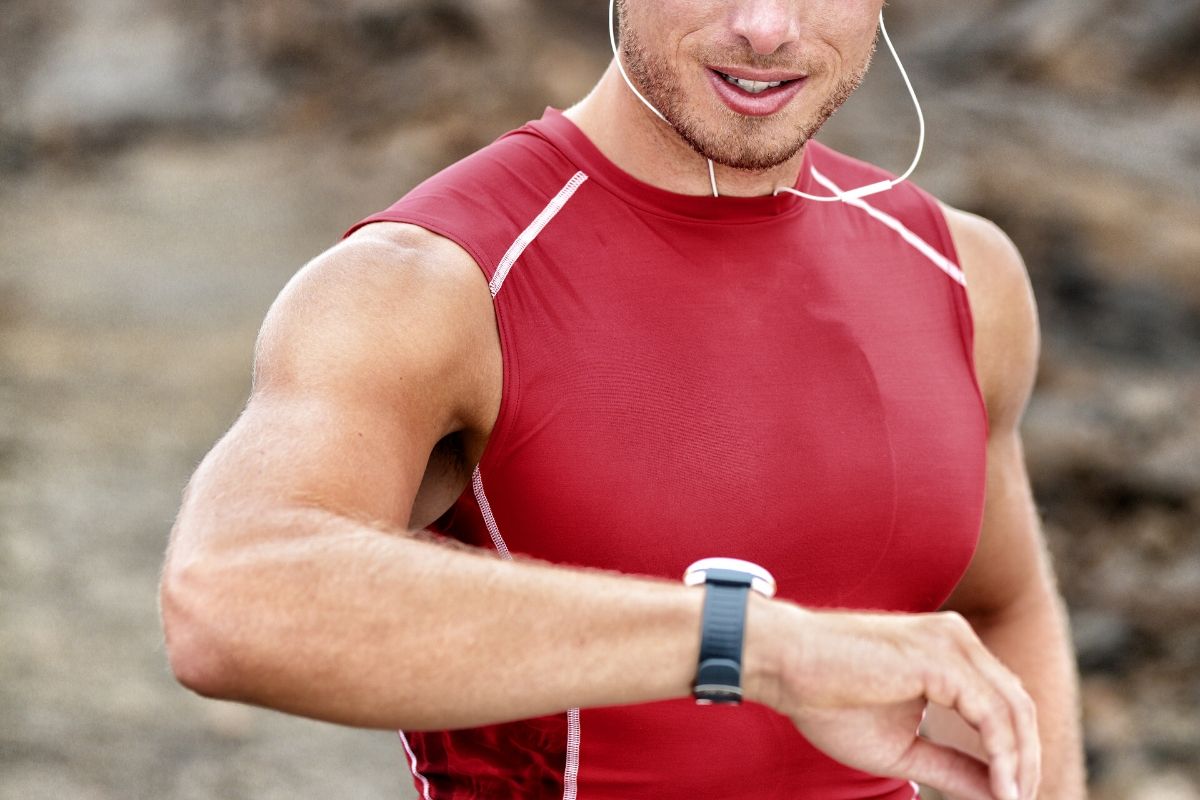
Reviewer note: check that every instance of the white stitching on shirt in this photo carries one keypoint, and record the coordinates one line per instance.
(529, 234)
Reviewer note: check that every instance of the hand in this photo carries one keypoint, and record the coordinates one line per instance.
(856, 685)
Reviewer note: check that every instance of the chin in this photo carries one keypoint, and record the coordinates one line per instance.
(750, 161)
(749, 147)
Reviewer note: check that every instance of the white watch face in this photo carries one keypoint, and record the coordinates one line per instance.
(761, 581)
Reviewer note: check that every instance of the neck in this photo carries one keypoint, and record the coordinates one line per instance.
(637, 141)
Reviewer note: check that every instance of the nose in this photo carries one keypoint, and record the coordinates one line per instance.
(766, 25)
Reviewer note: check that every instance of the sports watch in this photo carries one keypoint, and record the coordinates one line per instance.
(728, 582)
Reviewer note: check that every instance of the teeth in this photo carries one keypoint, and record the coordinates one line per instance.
(754, 87)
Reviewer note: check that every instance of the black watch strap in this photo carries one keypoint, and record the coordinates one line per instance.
(719, 674)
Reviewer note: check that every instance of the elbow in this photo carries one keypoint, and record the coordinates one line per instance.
(199, 656)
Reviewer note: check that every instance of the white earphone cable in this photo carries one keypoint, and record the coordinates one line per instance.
(612, 38)
(881, 186)
(712, 178)
(850, 194)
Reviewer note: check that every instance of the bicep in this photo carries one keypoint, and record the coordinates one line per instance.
(312, 450)
(364, 363)
(1010, 562)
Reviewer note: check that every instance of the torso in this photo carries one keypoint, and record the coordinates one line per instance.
(679, 377)
(448, 472)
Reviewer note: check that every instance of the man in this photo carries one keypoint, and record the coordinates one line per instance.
(565, 351)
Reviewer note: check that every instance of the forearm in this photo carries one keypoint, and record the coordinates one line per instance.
(357, 626)
(1033, 641)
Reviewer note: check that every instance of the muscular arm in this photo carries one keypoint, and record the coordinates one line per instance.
(295, 579)
(1009, 593)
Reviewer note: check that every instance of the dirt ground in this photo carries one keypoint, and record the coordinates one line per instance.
(130, 300)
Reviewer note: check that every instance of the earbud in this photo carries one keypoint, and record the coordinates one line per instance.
(849, 194)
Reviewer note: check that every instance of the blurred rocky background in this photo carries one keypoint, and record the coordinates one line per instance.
(165, 166)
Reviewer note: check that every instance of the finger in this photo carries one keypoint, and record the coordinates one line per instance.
(950, 771)
(1024, 716)
(962, 686)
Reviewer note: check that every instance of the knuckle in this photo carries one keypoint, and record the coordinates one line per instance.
(955, 624)
(993, 737)
(983, 709)
(993, 717)
(1027, 708)
(997, 708)
(938, 684)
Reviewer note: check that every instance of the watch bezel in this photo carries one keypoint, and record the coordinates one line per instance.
(761, 580)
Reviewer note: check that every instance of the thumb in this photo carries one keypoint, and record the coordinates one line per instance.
(950, 771)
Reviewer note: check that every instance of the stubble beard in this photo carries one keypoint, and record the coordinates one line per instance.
(741, 142)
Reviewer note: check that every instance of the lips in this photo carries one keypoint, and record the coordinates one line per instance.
(755, 93)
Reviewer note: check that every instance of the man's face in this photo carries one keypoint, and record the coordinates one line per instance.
(681, 54)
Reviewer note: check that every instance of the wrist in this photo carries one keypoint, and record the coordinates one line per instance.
(766, 636)
(730, 583)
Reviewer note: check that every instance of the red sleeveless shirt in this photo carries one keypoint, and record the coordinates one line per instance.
(768, 378)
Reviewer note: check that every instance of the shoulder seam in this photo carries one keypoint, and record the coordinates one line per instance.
(531, 232)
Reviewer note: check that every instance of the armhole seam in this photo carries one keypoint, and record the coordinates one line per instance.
(509, 386)
(962, 307)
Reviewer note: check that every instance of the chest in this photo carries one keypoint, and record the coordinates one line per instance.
(808, 408)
